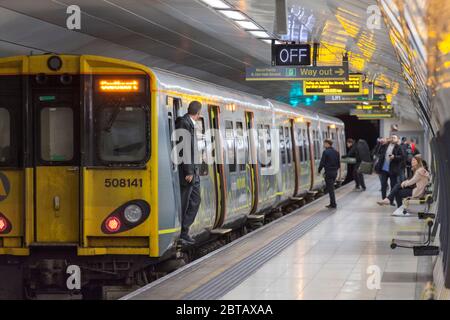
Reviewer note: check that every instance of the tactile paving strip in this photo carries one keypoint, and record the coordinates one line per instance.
(231, 278)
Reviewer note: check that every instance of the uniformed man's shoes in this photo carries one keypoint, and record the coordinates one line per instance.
(331, 207)
(186, 239)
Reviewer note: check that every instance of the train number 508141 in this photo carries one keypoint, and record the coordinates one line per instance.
(123, 183)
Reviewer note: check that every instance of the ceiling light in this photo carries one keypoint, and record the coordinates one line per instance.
(260, 34)
(217, 4)
(235, 15)
(268, 41)
(248, 25)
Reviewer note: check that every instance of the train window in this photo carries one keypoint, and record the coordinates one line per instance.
(123, 136)
(316, 142)
(240, 146)
(282, 146)
(231, 152)
(300, 144)
(306, 147)
(57, 135)
(265, 146)
(5, 135)
(201, 146)
(172, 143)
(287, 135)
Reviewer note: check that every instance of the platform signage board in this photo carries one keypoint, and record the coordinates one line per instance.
(355, 99)
(373, 111)
(291, 55)
(296, 73)
(352, 86)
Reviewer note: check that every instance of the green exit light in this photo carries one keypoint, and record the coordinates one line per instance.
(47, 98)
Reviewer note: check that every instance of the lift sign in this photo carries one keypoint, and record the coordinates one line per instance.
(291, 55)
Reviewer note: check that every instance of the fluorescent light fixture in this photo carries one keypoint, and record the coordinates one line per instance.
(248, 25)
(260, 34)
(232, 14)
(217, 4)
(269, 41)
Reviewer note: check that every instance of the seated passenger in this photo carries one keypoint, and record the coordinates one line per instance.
(414, 187)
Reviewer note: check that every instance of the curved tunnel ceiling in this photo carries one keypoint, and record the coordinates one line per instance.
(190, 38)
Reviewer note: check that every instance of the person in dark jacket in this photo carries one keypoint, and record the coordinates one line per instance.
(388, 166)
(330, 162)
(361, 152)
(406, 149)
(189, 171)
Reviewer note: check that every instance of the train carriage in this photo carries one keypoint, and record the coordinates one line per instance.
(86, 164)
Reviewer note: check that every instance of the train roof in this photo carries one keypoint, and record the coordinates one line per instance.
(175, 82)
(171, 81)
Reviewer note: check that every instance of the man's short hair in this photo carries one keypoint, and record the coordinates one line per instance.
(328, 141)
(194, 108)
(350, 140)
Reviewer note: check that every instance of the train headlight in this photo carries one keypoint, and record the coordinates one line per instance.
(54, 63)
(133, 213)
(3, 224)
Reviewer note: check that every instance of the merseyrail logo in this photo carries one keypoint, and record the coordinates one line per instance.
(4, 186)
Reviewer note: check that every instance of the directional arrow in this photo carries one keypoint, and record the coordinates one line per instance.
(339, 72)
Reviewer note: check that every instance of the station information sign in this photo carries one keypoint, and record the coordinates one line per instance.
(291, 55)
(296, 73)
(352, 86)
(355, 99)
(373, 111)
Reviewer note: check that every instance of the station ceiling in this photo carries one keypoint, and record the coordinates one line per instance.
(189, 37)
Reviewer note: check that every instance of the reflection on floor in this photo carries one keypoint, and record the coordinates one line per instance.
(347, 256)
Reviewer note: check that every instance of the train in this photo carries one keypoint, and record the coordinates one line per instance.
(87, 177)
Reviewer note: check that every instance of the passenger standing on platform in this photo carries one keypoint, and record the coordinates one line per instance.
(389, 164)
(361, 152)
(403, 165)
(330, 162)
(189, 173)
(376, 155)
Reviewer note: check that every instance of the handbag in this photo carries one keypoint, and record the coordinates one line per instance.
(348, 160)
(365, 167)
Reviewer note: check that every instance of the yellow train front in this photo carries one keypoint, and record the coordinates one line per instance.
(78, 173)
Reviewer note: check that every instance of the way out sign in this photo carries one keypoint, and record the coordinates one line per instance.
(291, 54)
(296, 73)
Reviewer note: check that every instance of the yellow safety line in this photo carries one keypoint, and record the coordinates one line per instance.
(167, 231)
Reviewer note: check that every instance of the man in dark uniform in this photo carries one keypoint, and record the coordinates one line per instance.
(189, 172)
(330, 162)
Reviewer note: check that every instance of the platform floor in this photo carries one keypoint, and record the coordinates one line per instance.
(313, 253)
(336, 259)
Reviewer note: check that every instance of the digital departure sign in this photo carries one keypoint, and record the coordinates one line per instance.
(120, 85)
(373, 112)
(352, 86)
(291, 55)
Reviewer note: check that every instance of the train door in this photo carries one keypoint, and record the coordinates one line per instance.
(312, 152)
(304, 157)
(237, 185)
(297, 154)
(287, 163)
(251, 142)
(57, 164)
(218, 167)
